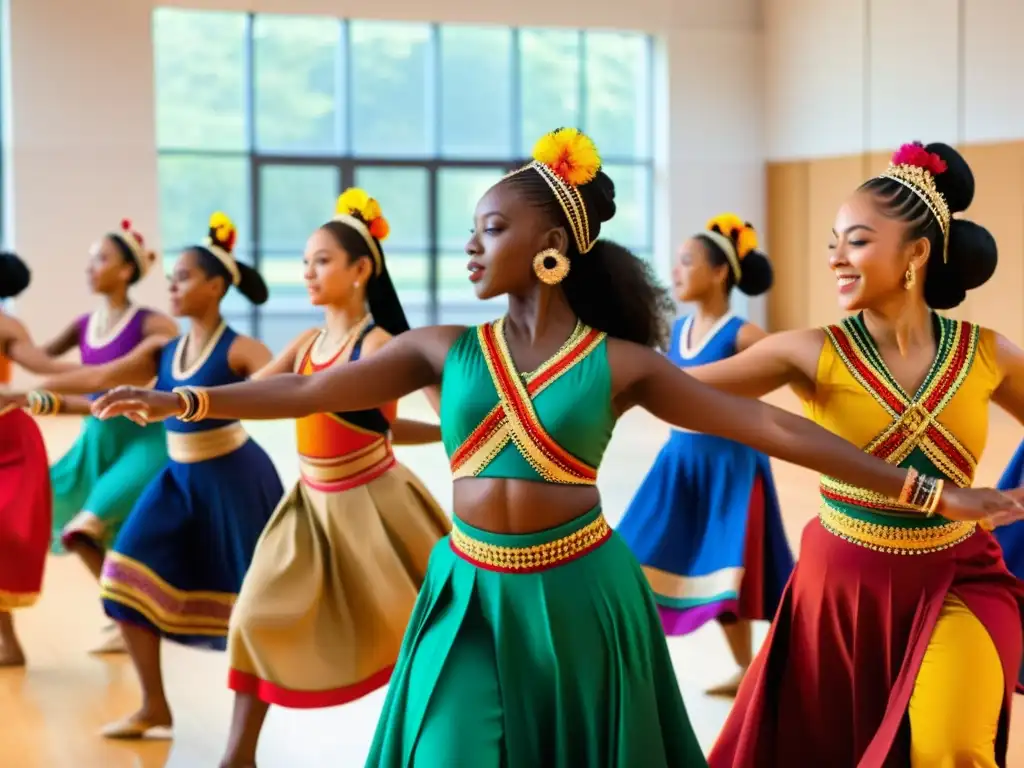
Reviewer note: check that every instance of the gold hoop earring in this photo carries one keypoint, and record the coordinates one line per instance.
(910, 277)
(551, 266)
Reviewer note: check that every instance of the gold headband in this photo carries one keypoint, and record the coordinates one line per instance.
(921, 182)
(138, 253)
(570, 199)
(728, 247)
(364, 232)
(226, 259)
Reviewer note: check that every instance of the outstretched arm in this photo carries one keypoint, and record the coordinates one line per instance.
(139, 367)
(410, 432)
(17, 344)
(411, 361)
(648, 380)
(768, 363)
(64, 341)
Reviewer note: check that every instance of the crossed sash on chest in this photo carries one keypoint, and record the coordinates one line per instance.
(515, 419)
(914, 421)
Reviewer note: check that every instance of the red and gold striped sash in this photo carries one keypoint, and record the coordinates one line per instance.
(514, 417)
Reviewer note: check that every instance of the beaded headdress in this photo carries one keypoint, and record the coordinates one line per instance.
(915, 168)
(358, 210)
(567, 159)
(221, 243)
(135, 244)
(735, 237)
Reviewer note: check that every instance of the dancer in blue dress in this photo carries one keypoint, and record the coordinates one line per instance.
(705, 523)
(177, 564)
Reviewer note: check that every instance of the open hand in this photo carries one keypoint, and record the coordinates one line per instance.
(987, 506)
(140, 405)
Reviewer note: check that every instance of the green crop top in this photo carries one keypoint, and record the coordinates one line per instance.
(551, 425)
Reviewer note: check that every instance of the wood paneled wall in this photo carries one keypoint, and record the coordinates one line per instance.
(804, 195)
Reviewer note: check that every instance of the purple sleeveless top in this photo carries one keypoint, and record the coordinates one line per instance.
(123, 339)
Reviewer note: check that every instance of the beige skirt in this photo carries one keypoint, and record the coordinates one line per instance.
(321, 614)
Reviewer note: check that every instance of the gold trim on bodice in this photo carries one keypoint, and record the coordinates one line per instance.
(193, 447)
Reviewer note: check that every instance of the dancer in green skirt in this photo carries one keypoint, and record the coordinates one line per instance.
(96, 483)
(535, 640)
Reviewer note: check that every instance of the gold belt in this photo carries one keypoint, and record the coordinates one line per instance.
(192, 447)
(537, 557)
(894, 539)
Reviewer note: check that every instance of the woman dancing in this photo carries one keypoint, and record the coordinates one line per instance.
(705, 524)
(898, 639)
(535, 640)
(178, 563)
(25, 499)
(98, 480)
(322, 611)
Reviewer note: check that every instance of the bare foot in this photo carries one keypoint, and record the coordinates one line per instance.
(11, 655)
(729, 688)
(144, 724)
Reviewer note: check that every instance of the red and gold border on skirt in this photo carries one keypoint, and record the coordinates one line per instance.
(537, 557)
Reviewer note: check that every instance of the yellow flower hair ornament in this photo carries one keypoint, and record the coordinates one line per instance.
(570, 154)
(740, 232)
(356, 202)
(222, 231)
(221, 243)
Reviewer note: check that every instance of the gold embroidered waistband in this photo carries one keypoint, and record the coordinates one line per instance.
(350, 465)
(537, 557)
(192, 447)
(894, 539)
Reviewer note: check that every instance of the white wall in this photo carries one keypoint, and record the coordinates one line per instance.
(81, 118)
(848, 76)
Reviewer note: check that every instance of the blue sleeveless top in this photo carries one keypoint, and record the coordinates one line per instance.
(718, 344)
(210, 370)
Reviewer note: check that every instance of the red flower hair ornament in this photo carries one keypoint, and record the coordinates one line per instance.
(916, 155)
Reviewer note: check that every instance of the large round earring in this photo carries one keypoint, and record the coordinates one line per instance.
(551, 266)
(910, 277)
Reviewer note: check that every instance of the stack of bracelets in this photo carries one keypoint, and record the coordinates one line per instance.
(921, 491)
(42, 402)
(196, 402)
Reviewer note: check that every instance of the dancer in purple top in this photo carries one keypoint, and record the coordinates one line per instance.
(96, 483)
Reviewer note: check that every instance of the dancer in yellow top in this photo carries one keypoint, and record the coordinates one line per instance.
(891, 617)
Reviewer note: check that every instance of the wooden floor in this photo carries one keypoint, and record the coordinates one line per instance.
(50, 711)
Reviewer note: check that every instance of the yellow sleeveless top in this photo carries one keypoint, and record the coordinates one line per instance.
(940, 430)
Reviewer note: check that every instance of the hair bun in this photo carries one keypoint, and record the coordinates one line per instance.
(600, 196)
(956, 183)
(971, 262)
(756, 274)
(14, 275)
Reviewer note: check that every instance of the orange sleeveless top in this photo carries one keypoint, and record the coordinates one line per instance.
(5, 370)
(338, 451)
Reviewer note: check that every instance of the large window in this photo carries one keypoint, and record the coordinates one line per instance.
(269, 117)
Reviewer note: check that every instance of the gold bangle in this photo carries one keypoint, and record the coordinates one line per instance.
(190, 401)
(204, 403)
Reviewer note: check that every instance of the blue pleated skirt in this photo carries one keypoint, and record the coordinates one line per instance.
(178, 563)
(706, 527)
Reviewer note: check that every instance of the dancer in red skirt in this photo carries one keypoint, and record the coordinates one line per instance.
(898, 639)
(25, 502)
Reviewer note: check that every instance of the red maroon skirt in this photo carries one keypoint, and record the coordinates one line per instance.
(25, 510)
(833, 681)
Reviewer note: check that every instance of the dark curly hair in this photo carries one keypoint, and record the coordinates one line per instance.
(14, 275)
(609, 288)
(381, 295)
(972, 255)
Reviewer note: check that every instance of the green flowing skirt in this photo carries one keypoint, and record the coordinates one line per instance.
(96, 483)
(563, 668)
